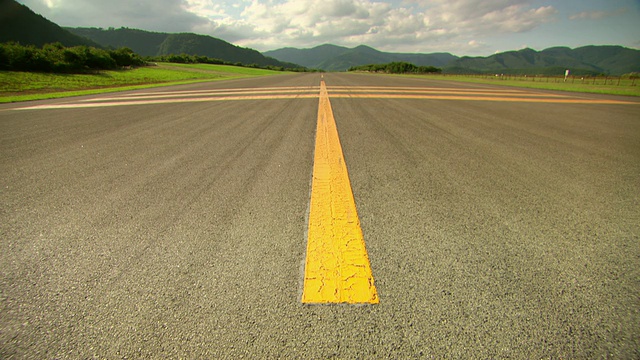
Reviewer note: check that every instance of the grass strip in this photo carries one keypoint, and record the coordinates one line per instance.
(23, 86)
(626, 88)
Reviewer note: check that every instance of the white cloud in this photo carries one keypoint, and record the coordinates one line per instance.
(418, 25)
(476, 44)
(205, 8)
(309, 22)
(52, 3)
(480, 17)
(154, 15)
(596, 15)
(515, 19)
(410, 25)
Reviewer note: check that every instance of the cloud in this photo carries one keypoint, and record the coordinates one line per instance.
(155, 15)
(474, 44)
(392, 25)
(597, 15)
(386, 25)
(205, 8)
(481, 17)
(515, 19)
(306, 22)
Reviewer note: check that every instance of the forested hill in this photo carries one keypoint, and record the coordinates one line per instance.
(338, 58)
(587, 60)
(148, 43)
(20, 24)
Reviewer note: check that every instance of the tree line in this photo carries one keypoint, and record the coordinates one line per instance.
(198, 59)
(57, 58)
(396, 68)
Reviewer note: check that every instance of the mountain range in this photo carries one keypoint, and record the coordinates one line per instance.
(148, 43)
(19, 23)
(338, 58)
(587, 60)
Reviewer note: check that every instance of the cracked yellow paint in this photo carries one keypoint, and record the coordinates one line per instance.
(337, 268)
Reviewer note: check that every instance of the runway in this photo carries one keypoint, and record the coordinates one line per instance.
(173, 222)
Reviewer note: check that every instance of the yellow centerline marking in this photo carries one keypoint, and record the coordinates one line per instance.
(337, 268)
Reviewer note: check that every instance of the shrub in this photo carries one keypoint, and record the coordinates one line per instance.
(57, 58)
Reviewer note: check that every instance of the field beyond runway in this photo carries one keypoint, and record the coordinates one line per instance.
(172, 222)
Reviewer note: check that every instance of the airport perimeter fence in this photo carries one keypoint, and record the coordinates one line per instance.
(571, 79)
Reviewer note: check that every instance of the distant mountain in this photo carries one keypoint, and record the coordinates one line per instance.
(337, 58)
(587, 60)
(613, 60)
(142, 42)
(20, 24)
(311, 58)
(148, 43)
(212, 47)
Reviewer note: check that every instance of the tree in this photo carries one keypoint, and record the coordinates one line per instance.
(396, 68)
(126, 57)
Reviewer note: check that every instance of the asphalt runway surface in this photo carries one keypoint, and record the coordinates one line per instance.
(172, 222)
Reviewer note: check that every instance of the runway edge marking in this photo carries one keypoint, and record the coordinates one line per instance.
(337, 268)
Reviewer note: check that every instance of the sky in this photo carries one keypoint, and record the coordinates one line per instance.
(460, 27)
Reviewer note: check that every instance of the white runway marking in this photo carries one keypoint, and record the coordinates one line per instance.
(307, 92)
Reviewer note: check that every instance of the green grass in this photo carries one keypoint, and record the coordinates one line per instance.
(226, 69)
(599, 85)
(22, 86)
